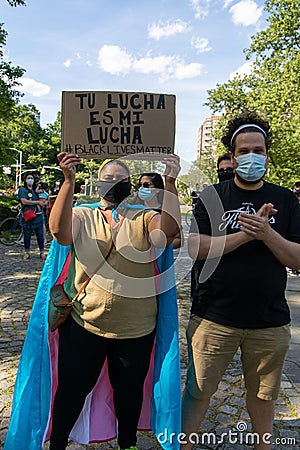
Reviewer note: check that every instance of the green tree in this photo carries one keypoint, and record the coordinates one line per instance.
(202, 174)
(272, 88)
(9, 94)
(16, 2)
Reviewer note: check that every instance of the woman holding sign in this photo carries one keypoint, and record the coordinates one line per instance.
(116, 317)
(117, 352)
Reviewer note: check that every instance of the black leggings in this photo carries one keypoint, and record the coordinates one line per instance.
(80, 360)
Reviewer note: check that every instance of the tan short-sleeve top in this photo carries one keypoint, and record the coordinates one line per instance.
(120, 300)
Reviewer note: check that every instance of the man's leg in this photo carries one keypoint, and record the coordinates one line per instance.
(211, 347)
(262, 417)
(263, 354)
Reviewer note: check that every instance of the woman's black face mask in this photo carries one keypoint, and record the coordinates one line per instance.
(114, 191)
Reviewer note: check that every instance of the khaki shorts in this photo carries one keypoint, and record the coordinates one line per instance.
(211, 347)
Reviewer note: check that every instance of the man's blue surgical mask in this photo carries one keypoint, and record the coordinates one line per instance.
(145, 194)
(251, 167)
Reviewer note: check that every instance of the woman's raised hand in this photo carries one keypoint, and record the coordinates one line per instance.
(68, 163)
(173, 167)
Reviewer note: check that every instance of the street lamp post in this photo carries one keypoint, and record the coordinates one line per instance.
(50, 167)
(19, 166)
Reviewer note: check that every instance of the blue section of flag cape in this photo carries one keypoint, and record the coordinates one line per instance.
(32, 394)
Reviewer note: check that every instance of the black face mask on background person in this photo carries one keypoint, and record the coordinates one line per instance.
(114, 192)
(224, 175)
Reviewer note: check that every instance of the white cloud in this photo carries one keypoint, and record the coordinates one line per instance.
(67, 63)
(32, 87)
(245, 12)
(158, 64)
(89, 63)
(201, 44)
(157, 31)
(244, 69)
(200, 10)
(114, 60)
(188, 70)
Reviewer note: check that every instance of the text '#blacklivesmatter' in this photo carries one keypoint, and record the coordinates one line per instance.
(120, 149)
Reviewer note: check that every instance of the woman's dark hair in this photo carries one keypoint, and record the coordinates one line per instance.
(244, 119)
(158, 182)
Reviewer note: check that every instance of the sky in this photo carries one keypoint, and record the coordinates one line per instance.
(181, 47)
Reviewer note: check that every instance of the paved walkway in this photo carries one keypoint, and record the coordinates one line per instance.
(227, 413)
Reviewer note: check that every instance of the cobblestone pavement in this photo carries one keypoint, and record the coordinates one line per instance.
(227, 412)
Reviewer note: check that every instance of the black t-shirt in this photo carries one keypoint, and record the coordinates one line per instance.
(195, 195)
(246, 287)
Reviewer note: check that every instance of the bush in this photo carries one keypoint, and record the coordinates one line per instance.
(6, 203)
(185, 201)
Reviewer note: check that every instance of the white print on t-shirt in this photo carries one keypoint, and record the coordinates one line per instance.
(230, 218)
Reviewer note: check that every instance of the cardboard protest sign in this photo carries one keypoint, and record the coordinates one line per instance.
(99, 125)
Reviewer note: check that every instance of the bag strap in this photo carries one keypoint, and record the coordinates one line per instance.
(113, 237)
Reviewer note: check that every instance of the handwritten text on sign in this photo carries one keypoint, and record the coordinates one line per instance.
(114, 124)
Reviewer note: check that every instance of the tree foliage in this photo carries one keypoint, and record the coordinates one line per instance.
(16, 2)
(9, 76)
(272, 88)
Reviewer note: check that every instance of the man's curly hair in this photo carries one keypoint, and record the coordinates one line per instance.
(243, 119)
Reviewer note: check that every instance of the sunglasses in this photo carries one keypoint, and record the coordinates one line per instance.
(227, 170)
(146, 184)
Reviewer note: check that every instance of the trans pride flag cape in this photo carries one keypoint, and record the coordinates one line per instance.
(30, 421)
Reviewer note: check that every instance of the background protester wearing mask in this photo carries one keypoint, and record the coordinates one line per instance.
(151, 193)
(225, 167)
(53, 192)
(296, 190)
(225, 171)
(252, 230)
(30, 200)
(114, 319)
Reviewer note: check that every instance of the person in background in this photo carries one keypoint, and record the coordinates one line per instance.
(225, 171)
(250, 229)
(37, 176)
(195, 194)
(29, 200)
(151, 192)
(42, 190)
(225, 167)
(296, 190)
(53, 192)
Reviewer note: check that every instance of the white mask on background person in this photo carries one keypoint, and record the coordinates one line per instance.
(29, 182)
(251, 167)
